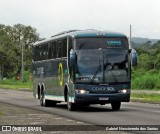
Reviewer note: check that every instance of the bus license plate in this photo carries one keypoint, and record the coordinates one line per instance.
(103, 98)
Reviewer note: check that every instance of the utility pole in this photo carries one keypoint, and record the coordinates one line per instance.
(130, 38)
(22, 60)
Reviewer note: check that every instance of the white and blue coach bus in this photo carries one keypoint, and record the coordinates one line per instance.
(83, 67)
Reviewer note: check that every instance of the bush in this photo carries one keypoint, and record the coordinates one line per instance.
(146, 80)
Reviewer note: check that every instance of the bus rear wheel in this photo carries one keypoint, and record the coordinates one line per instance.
(42, 99)
(70, 106)
(44, 102)
(116, 106)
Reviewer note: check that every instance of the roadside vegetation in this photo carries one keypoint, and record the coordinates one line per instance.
(146, 80)
(146, 75)
(11, 40)
(17, 84)
(145, 97)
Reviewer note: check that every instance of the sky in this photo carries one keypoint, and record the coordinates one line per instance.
(50, 17)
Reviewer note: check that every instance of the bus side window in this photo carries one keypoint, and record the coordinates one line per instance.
(49, 51)
(46, 49)
(53, 50)
(43, 52)
(64, 48)
(35, 53)
(59, 44)
(40, 52)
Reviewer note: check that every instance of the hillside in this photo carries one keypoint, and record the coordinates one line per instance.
(139, 40)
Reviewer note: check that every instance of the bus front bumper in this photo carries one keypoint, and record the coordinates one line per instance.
(101, 98)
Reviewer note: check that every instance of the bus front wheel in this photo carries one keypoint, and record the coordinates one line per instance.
(70, 106)
(116, 106)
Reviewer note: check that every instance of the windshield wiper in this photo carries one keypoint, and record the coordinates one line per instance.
(92, 79)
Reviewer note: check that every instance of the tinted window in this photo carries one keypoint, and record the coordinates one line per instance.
(64, 48)
(43, 52)
(49, 51)
(58, 49)
(36, 53)
(88, 43)
(53, 49)
(95, 43)
(40, 52)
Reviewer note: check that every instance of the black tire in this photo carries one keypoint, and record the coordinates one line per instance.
(70, 106)
(41, 98)
(116, 106)
(43, 101)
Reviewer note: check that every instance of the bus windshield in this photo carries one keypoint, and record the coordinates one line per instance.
(88, 61)
(116, 66)
(102, 64)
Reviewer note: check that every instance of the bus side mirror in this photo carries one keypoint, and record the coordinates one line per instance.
(134, 57)
(73, 58)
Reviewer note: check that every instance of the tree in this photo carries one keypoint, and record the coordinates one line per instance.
(157, 62)
(6, 53)
(11, 39)
(146, 61)
(25, 35)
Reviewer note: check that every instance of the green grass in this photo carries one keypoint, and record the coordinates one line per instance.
(144, 97)
(146, 80)
(15, 84)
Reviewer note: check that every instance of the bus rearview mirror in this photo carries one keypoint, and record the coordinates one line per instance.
(73, 58)
(134, 57)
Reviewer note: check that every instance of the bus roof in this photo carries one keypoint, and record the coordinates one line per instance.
(82, 33)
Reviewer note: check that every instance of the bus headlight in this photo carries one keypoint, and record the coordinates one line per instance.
(123, 91)
(81, 91)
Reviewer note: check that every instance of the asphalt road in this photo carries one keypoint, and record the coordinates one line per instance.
(131, 113)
